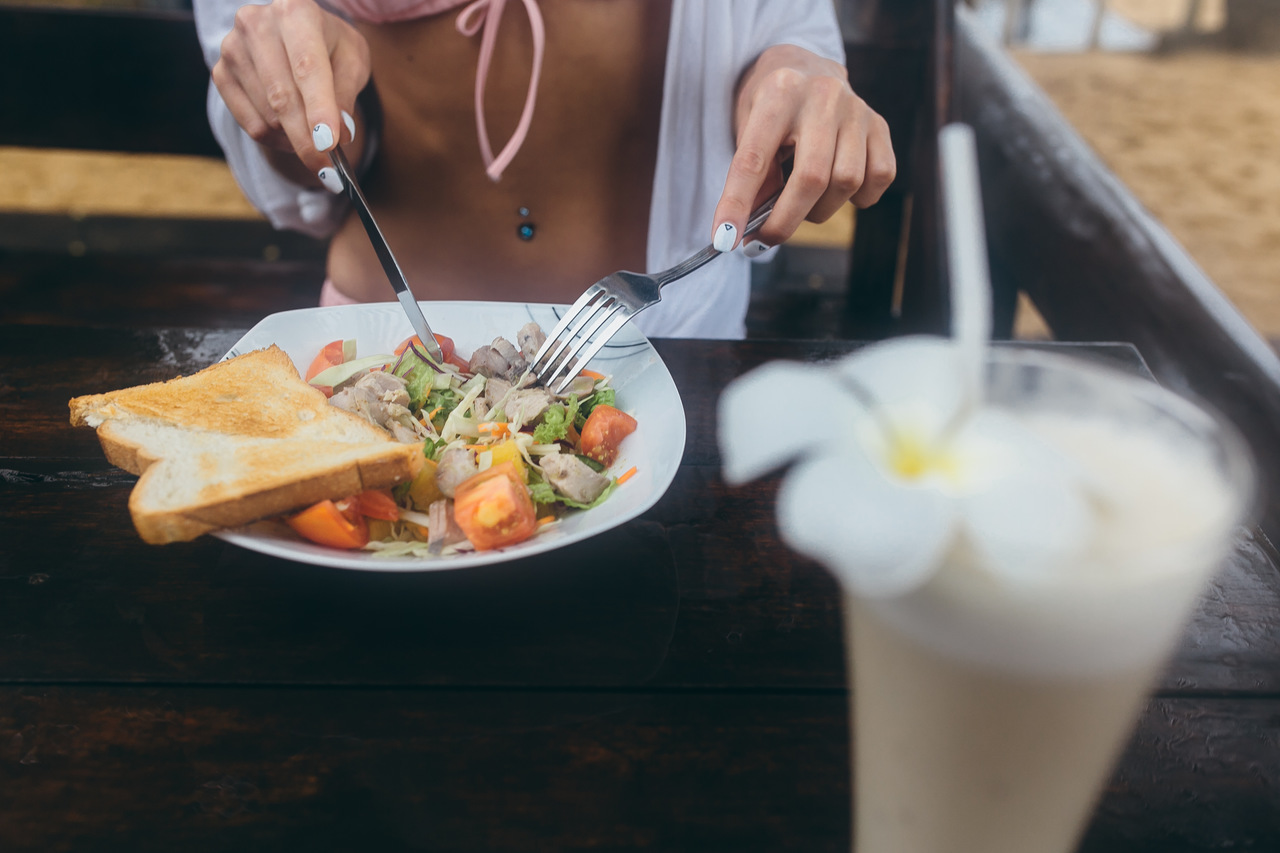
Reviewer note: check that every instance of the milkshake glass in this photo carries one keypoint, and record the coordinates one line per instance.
(988, 707)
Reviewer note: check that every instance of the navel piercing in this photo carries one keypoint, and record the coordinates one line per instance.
(525, 230)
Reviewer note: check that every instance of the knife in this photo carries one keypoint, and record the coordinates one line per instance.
(388, 260)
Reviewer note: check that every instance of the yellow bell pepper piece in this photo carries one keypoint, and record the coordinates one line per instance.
(423, 491)
(509, 451)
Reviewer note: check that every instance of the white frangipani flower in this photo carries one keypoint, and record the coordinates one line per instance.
(908, 470)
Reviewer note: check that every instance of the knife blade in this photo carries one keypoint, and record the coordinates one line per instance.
(389, 266)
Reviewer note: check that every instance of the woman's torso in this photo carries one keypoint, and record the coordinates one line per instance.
(584, 173)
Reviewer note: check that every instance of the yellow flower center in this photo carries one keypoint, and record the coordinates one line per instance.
(912, 458)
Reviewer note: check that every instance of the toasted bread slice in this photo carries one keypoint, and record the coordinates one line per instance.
(242, 440)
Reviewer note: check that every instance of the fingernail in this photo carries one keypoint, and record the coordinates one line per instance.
(726, 235)
(754, 249)
(331, 179)
(351, 125)
(322, 136)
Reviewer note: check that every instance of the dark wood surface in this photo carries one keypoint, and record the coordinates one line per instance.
(676, 684)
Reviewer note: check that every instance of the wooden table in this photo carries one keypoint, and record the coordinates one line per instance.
(676, 684)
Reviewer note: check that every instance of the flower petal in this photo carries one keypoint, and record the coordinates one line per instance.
(915, 380)
(766, 417)
(995, 445)
(879, 538)
(1034, 516)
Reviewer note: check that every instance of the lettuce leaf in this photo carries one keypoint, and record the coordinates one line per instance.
(418, 375)
(541, 492)
(447, 400)
(602, 396)
(431, 448)
(555, 422)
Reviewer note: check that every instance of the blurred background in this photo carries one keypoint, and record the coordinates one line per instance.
(1180, 98)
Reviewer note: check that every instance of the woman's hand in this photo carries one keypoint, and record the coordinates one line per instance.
(792, 99)
(288, 71)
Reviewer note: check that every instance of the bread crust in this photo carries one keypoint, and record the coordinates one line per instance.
(257, 440)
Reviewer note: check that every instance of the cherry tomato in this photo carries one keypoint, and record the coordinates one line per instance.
(494, 509)
(325, 524)
(604, 430)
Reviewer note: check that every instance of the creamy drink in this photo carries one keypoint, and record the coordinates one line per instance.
(989, 705)
(1019, 537)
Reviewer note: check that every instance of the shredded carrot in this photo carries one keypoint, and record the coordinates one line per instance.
(591, 374)
(434, 412)
(546, 519)
(478, 447)
(497, 428)
(627, 476)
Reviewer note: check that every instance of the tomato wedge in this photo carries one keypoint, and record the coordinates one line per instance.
(325, 524)
(604, 430)
(377, 503)
(494, 509)
(329, 356)
(447, 348)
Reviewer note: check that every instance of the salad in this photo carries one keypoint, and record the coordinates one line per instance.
(503, 457)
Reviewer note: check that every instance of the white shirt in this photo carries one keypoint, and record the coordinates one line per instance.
(710, 44)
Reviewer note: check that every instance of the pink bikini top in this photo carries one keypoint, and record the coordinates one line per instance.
(478, 14)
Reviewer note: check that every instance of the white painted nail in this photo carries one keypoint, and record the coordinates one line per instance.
(322, 136)
(754, 249)
(331, 179)
(351, 125)
(726, 235)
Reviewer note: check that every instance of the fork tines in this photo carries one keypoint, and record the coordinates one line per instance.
(578, 336)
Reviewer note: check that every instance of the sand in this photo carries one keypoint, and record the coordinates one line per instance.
(1196, 137)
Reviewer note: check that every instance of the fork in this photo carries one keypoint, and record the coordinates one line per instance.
(606, 306)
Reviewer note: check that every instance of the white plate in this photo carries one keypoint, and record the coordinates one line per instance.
(645, 390)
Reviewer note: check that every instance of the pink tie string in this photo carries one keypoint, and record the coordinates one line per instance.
(487, 14)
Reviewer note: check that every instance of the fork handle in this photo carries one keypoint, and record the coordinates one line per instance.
(709, 254)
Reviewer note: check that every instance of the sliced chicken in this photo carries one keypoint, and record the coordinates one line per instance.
(528, 405)
(516, 363)
(530, 338)
(386, 385)
(442, 527)
(579, 387)
(381, 399)
(454, 466)
(487, 361)
(404, 434)
(572, 477)
(494, 390)
(499, 359)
